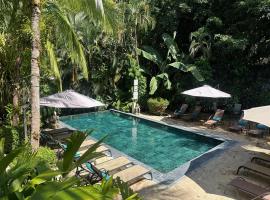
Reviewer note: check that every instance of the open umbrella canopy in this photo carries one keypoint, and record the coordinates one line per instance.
(206, 91)
(69, 99)
(258, 114)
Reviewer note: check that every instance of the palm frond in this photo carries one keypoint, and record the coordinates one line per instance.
(53, 62)
(67, 36)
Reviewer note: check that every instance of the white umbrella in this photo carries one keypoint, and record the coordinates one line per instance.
(69, 99)
(206, 91)
(259, 114)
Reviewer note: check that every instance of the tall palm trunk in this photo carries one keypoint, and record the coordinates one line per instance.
(35, 75)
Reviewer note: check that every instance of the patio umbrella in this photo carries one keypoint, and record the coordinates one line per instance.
(206, 91)
(69, 99)
(258, 114)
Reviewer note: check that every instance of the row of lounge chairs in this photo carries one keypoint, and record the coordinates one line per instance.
(181, 113)
(211, 122)
(103, 167)
(243, 126)
(260, 165)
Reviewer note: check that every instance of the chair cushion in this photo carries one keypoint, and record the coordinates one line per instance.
(216, 118)
(261, 126)
(242, 122)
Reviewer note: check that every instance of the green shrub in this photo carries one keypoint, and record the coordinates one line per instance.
(157, 105)
(46, 157)
(46, 154)
(13, 137)
(122, 106)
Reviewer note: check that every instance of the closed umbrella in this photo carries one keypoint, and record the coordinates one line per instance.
(206, 91)
(69, 99)
(259, 115)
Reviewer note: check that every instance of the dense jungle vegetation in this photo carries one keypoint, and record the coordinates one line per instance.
(170, 46)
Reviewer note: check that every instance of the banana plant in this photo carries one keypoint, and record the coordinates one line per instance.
(20, 179)
(174, 58)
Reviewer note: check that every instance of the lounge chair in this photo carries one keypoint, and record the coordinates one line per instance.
(59, 134)
(58, 131)
(255, 168)
(133, 174)
(114, 164)
(129, 175)
(194, 115)
(237, 108)
(260, 130)
(181, 111)
(214, 120)
(250, 188)
(240, 126)
(261, 158)
(100, 149)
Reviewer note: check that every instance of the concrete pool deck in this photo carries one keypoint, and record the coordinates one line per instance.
(210, 180)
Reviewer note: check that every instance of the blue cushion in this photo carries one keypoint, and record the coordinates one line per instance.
(216, 118)
(242, 122)
(89, 167)
(261, 126)
(63, 146)
(106, 176)
(77, 155)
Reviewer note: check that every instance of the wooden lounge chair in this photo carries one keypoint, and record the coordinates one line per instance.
(194, 115)
(87, 143)
(214, 120)
(255, 168)
(250, 188)
(114, 164)
(261, 158)
(129, 175)
(181, 111)
(100, 149)
(133, 174)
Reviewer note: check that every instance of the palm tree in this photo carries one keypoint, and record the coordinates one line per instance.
(35, 74)
(56, 14)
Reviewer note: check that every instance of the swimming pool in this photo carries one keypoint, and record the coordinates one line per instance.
(161, 147)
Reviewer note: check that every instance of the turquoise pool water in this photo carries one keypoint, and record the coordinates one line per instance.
(161, 147)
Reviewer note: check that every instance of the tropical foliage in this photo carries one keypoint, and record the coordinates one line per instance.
(95, 51)
(35, 175)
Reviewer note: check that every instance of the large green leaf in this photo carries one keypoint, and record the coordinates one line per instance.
(172, 46)
(53, 62)
(89, 154)
(50, 188)
(153, 85)
(188, 68)
(179, 65)
(150, 54)
(73, 145)
(43, 177)
(67, 190)
(4, 162)
(2, 147)
(166, 81)
(195, 72)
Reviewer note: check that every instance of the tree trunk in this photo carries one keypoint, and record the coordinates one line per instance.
(35, 75)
